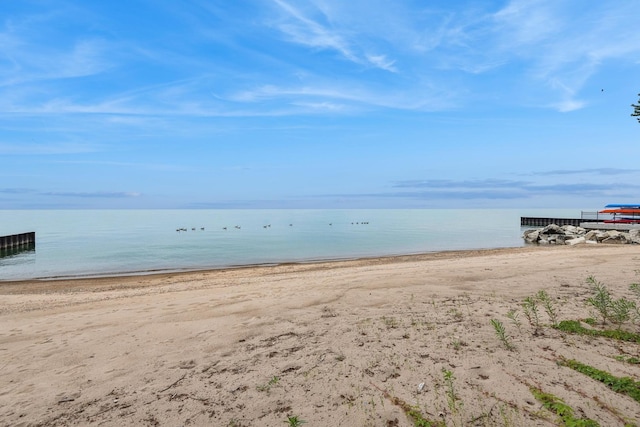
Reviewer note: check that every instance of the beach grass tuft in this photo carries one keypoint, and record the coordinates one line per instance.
(294, 421)
(532, 313)
(501, 333)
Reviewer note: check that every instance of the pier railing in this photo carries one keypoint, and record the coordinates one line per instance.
(594, 216)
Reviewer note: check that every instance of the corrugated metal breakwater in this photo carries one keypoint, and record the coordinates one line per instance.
(585, 216)
(17, 243)
(543, 222)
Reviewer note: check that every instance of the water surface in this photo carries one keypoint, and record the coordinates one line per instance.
(108, 242)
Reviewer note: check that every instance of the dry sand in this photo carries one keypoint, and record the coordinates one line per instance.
(334, 344)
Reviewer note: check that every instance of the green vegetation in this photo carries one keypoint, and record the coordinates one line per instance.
(454, 403)
(390, 322)
(267, 387)
(418, 419)
(530, 307)
(601, 300)
(545, 299)
(501, 333)
(608, 314)
(561, 409)
(617, 311)
(636, 110)
(623, 385)
(621, 311)
(635, 288)
(607, 310)
(531, 312)
(628, 359)
(513, 315)
(574, 327)
(412, 412)
(294, 421)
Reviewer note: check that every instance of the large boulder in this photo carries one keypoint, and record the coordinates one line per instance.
(616, 237)
(595, 236)
(552, 229)
(570, 235)
(572, 230)
(575, 241)
(531, 236)
(555, 238)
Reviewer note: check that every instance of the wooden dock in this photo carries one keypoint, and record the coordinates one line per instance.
(16, 242)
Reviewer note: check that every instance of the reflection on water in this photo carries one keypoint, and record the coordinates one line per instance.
(13, 251)
(23, 256)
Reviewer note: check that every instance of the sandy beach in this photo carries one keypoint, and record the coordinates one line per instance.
(373, 342)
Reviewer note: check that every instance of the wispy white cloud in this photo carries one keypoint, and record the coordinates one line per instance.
(323, 106)
(136, 165)
(81, 194)
(31, 60)
(80, 77)
(594, 171)
(528, 23)
(428, 56)
(192, 98)
(96, 194)
(306, 31)
(564, 44)
(568, 105)
(273, 91)
(48, 148)
(320, 26)
(324, 31)
(382, 62)
(351, 97)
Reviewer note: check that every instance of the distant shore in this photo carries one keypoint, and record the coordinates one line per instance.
(333, 343)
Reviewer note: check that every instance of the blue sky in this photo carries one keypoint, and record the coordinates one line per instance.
(318, 104)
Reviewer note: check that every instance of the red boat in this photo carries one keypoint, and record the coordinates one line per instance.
(631, 211)
(622, 221)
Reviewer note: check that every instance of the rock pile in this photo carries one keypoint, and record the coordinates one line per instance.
(571, 235)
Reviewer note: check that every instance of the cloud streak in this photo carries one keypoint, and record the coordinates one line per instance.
(323, 32)
(17, 191)
(92, 195)
(79, 194)
(505, 189)
(45, 149)
(594, 171)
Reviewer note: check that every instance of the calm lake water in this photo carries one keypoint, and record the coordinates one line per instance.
(73, 243)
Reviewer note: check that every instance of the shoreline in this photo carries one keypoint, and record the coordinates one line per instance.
(128, 277)
(172, 270)
(334, 343)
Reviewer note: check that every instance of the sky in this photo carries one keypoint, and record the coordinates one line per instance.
(318, 104)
